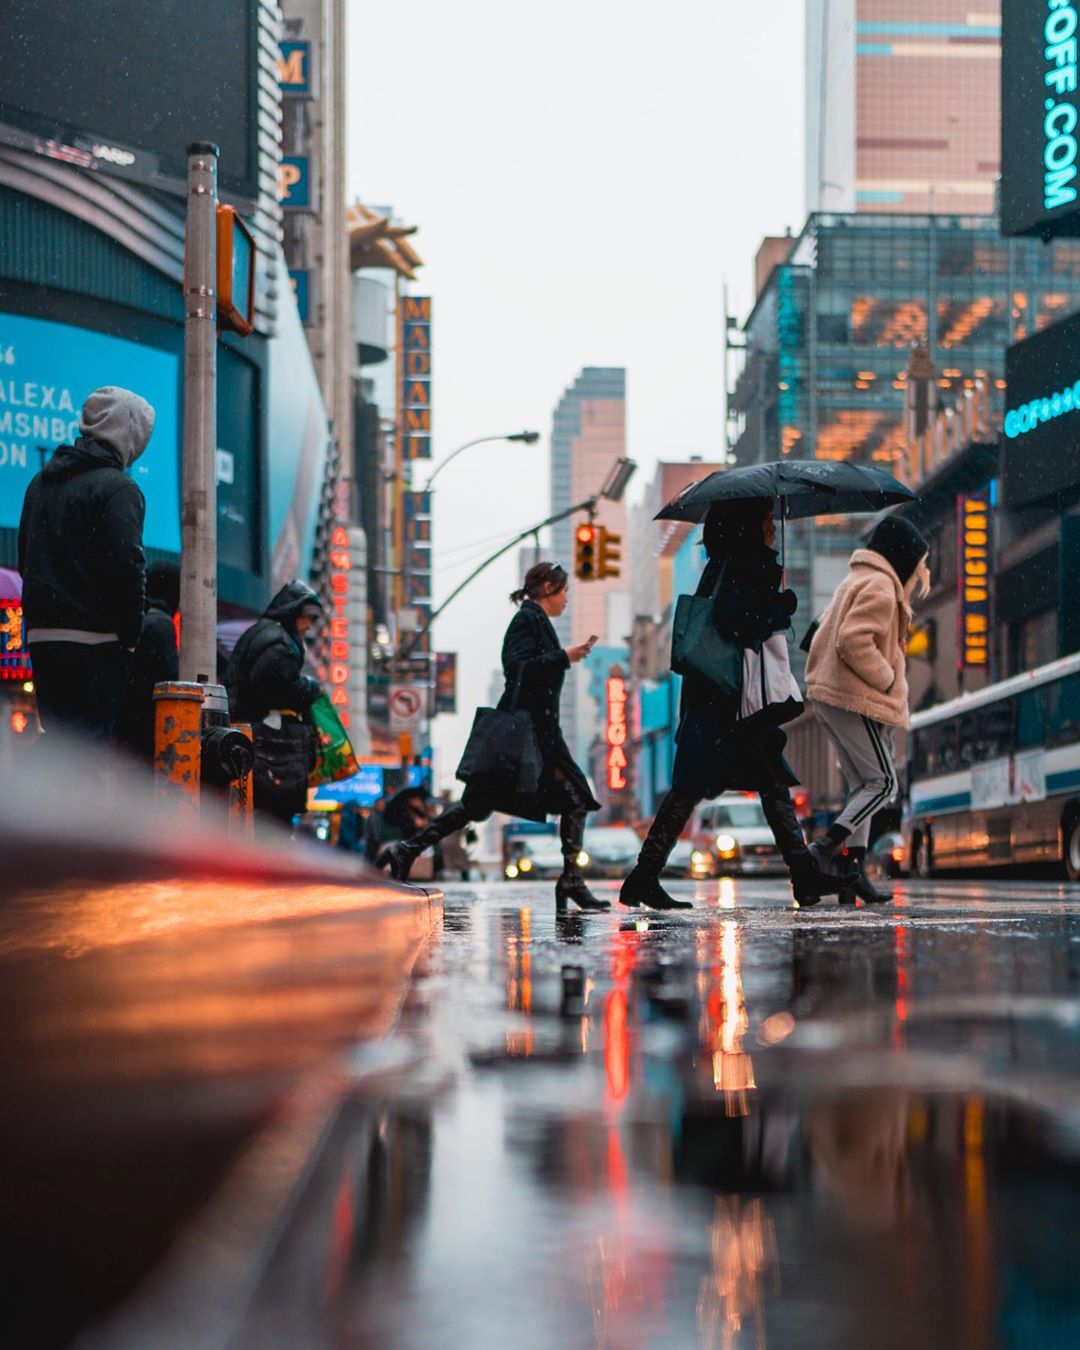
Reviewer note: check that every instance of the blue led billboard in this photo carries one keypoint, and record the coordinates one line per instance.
(46, 370)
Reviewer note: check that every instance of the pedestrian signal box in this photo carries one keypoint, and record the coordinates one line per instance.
(235, 273)
(585, 552)
(609, 554)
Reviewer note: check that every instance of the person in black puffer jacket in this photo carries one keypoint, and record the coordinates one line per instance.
(268, 688)
(83, 569)
(715, 752)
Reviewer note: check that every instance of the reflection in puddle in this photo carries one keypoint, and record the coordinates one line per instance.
(613, 1168)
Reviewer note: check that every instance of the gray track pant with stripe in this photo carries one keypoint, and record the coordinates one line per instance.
(865, 749)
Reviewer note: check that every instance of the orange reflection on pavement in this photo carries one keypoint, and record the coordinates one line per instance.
(744, 1263)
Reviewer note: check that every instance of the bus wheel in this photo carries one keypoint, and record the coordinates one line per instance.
(1071, 836)
(922, 862)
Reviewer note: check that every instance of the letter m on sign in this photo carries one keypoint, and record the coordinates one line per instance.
(417, 307)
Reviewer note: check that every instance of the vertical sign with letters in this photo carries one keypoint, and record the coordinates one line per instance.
(617, 729)
(973, 579)
(416, 377)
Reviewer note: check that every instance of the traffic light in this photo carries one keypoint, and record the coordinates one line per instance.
(610, 553)
(585, 551)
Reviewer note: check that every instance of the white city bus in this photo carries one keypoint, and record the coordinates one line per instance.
(994, 776)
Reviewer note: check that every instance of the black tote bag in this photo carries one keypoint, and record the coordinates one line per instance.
(502, 749)
(698, 649)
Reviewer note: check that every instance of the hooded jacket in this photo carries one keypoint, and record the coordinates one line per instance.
(857, 658)
(265, 671)
(80, 534)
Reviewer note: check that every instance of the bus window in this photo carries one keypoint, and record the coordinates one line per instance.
(972, 732)
(1063, 711)
(996, 730)
(945, 752)
(1030, 731)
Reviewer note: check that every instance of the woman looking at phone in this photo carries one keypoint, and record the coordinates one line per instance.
(534, 666)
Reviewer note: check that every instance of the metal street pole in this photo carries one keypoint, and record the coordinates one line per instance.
(198, 512)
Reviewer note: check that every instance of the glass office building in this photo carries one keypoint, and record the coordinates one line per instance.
(829, 340)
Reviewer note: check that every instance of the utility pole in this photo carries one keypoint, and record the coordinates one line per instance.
(198, 512)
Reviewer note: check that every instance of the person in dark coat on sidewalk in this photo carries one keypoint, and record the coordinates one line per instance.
(268, 688)
(83, 568)
(716, 753)
(156, 658)
(534, 666)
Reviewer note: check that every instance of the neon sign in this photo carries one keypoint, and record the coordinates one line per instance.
(1059, 124)
(1031, 414)
(616, 734)
(340, 566)
(14, 657)
(973, 610)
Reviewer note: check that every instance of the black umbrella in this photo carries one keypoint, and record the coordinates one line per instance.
(804, 487)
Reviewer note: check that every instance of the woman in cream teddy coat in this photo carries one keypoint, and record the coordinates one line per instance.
(857, 678)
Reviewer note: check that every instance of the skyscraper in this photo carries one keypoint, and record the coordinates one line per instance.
(588, 435)
(902, 105)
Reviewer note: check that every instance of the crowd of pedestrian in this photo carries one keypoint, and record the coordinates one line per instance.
(102, 631)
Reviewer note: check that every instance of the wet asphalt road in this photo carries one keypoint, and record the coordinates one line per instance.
(740, 1126)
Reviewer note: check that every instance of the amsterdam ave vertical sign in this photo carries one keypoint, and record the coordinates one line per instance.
(1040, 118)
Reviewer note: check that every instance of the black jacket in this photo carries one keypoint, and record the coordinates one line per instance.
(715, 753)
(80, 545)
(265, 671)
(156, 658)
(535, 665)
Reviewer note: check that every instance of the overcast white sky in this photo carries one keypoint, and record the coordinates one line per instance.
(585, 175)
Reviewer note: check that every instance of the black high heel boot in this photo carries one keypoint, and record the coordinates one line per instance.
(572, 885)
(400, 857)
(809, 881)
(861, 885)
(642, 886)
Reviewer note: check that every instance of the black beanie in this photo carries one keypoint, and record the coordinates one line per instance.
(899, 543)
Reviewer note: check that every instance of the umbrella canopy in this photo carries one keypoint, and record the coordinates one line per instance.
(804, 487)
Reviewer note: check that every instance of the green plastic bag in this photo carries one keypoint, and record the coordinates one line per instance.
(336, 759)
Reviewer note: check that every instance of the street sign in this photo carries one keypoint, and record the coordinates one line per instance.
(409, 669)
(407, 703)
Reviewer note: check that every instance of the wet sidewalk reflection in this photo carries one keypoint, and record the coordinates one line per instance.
(745, 1127)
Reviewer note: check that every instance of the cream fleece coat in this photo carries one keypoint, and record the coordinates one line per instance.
(857, 658)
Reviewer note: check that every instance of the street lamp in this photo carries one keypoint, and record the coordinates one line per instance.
(524, 437)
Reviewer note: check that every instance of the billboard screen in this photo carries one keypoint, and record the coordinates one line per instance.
(46, 371)
(130, 86)
(1042, 415)
(1040, 119)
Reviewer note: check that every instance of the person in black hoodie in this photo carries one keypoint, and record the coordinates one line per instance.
(268, 688)
(156, 658)
(716, 753)
(83, 569)
(534, 665)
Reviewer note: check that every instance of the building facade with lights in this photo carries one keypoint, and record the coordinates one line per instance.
(828, 347)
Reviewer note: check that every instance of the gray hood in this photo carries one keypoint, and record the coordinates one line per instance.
(119, 419)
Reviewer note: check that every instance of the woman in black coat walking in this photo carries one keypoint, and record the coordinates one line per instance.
(716, 753)
(534, 665)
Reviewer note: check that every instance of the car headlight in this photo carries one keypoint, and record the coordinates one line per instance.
(525, 865)
(582, 859)
(697, 857)
(727, 845)
(511, 872)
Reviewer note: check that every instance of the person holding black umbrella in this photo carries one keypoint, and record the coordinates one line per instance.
(534, 665)
(715, 752)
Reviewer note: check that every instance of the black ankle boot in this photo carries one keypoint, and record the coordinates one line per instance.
(399, 858)
(571, 886)
(642, 887)
(861, 884)
(810, 877)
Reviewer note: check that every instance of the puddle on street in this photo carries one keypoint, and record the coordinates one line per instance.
(729, 1131)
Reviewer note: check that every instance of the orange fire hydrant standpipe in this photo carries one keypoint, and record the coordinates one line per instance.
(178, 737)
